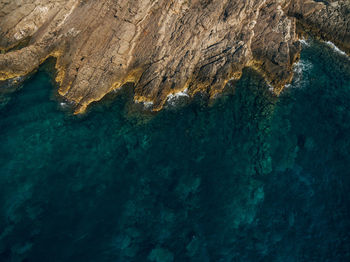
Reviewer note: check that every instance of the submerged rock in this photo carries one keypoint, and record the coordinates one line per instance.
(163, 46)
(161, 255)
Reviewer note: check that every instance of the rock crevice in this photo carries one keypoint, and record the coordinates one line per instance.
(163, 46)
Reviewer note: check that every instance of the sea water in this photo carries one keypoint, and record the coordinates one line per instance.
(248, 177)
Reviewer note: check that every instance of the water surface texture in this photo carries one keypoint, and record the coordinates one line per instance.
(250, 177)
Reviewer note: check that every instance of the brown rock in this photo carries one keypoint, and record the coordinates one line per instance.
(162, 46)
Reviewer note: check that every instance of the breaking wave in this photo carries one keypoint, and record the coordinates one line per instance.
(336, 49)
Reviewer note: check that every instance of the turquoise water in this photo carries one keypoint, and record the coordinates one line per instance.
(250, 177)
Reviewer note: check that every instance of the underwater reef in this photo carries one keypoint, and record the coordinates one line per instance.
(248, 177)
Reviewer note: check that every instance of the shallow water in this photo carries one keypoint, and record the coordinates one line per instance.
(251, 177)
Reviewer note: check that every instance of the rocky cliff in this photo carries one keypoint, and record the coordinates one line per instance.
(163, 46)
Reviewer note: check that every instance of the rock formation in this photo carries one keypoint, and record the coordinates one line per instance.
(163, 46)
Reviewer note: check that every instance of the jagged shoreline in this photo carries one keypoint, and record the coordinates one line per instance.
(163, 47)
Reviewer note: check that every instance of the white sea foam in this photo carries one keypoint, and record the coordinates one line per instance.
(271, 88)
(19, 78)
(172, 98)
(304, 42)
(300, 73)
(65, 105)
(147, 104)
(336, 49)
(16, 80)
(302, 66)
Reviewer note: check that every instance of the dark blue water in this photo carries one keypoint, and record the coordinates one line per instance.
(250, 177)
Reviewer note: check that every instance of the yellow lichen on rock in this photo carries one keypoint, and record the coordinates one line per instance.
(158, 45)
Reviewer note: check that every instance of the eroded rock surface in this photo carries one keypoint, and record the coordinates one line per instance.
(162, 46)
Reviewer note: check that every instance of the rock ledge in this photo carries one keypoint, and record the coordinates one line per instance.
(163, 46)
